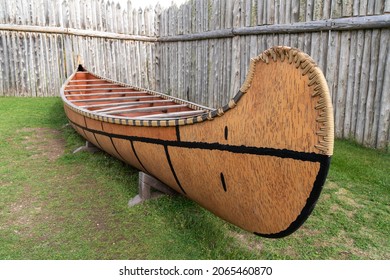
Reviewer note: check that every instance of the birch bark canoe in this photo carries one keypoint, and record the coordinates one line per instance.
(258, 162)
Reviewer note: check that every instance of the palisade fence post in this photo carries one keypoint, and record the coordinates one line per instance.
(200, 49)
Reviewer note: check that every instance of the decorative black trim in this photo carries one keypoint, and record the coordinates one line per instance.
(113, 144)
(135, 153)
(172, 169)
(177, 133)
(226, 133)
(83, 135)
(324, 161)
(223, 182)
(97, 142)
(281, 153)
(310, 203)
(238, 96)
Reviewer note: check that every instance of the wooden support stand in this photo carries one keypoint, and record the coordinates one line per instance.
(89, 147)
(149, 188)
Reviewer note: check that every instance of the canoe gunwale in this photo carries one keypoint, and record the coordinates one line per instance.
(209, 114)
(278, 141)
(300, 60)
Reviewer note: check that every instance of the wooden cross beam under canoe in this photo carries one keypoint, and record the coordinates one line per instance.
(259, 162)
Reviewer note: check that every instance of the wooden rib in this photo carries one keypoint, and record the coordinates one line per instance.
(148, 109)
(104, 93)
(111, 104)
(111, 98)
(171, 115)
(132, 104)
(93, 89)
(90, 80)
(93, 85)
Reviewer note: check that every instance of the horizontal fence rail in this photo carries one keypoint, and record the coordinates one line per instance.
(76, 32)
(349, 24)
(200, 50)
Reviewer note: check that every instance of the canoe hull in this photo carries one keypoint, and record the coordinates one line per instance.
(260, 163)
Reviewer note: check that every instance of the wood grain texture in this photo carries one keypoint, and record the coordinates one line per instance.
(260, 197)
(199, 50)
(259, 162)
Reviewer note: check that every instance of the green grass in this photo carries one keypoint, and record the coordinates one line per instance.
(58, 205)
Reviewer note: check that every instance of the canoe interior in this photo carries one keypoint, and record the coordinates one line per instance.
(259, 162)
(107, 98)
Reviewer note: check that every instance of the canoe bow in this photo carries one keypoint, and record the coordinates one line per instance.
(259, 162)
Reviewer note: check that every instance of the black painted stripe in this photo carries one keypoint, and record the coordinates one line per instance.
(90, 130)
(310, 203)
(113, 144)
(83, 133)
(177, 133)
(281, 153)
(223, 182)
(172, 169)
(226, 133)
(97, 142)
(135, 153)
(324, 161)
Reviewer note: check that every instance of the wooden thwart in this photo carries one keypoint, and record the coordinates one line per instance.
(131, 105)
(113, 104)
(112, 98)
(171, 115)
(105, 93)
(91, 80)
(93, 89)
(92, 85)
(147, 109)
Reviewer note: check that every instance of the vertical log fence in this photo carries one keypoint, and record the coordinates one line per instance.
(200, 50)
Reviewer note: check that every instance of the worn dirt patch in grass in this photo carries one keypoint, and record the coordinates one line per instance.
(29, 210)
(43, 142)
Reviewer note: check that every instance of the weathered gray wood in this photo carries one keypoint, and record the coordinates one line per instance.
(77, 32)
(358, 53)
(332, 67)
(384, 110)
(372, 94)
(363, 7)
(341, 90)
(200, 50)
(387, 6)
(348, 119)
(146, 185)
(88, 147)
(375, 128)
(364, 84)
(3, 76)
(340, 24)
